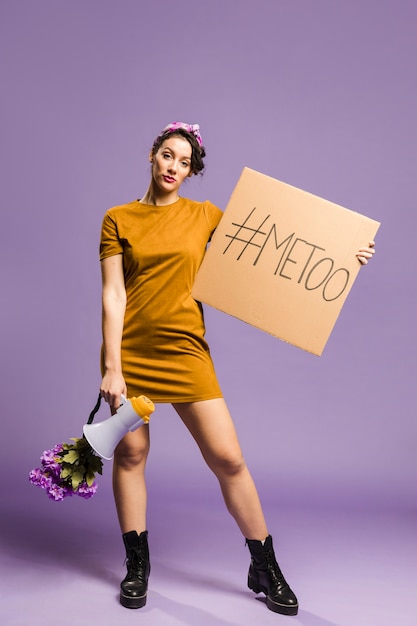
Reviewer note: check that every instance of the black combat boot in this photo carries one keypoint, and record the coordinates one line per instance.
(266, 576)
(134, 587)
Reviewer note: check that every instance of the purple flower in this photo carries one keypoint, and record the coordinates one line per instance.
(39, 478)
(35, 476)
(57, 493)
(85, 491)
(45, 481)
(48, 458)
(57, 449)
(55, 469)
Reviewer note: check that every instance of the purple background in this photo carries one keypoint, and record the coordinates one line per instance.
(321, 95)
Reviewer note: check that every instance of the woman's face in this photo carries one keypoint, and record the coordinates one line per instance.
(171, 164)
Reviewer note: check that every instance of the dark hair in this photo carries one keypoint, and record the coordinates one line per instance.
(197, 152)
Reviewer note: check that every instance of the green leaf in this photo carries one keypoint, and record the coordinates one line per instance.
(71, 456)
(65, 472)
(90, 478)
(76, 479)
(96, 464)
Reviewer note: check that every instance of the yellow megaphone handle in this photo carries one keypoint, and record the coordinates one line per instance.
(143, 407)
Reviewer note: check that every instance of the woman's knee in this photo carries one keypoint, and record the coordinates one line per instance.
(131, 452)
(227, 465)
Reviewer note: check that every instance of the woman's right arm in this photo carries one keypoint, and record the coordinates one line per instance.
(113, 312)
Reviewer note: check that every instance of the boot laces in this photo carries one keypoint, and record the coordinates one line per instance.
(273, 568)
(135, 563)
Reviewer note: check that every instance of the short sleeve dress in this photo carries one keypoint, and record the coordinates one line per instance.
(164, 353)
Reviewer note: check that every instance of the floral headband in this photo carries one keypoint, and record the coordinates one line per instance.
(194, 129)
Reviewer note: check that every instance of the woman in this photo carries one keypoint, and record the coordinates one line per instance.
(153, 344)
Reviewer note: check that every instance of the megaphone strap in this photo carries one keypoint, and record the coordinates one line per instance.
(94, 411)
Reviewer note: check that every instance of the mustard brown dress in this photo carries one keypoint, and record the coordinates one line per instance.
(164, 352)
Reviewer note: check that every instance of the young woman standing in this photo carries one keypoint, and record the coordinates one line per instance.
(153, 344)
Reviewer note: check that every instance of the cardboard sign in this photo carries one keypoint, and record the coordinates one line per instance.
(283, 260)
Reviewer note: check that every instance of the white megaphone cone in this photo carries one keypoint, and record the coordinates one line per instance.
(104, 436)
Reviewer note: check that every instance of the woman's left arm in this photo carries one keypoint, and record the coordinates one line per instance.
(366, 253)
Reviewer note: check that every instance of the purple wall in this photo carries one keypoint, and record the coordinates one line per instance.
(321, 95)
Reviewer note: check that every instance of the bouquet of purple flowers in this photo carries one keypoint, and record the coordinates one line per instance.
(67, 470)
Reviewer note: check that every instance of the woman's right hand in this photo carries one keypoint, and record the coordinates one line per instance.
(112, 387)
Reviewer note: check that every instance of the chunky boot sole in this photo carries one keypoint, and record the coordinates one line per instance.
(132, 602)
(283, 609)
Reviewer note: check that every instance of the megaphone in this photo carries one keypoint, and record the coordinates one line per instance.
(104, 436)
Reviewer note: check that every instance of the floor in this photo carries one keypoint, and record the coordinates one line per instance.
(62, 563)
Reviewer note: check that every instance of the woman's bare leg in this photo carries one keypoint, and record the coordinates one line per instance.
(211, 425)
(129, 485)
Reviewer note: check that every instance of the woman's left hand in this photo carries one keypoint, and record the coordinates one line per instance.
(366, 253)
